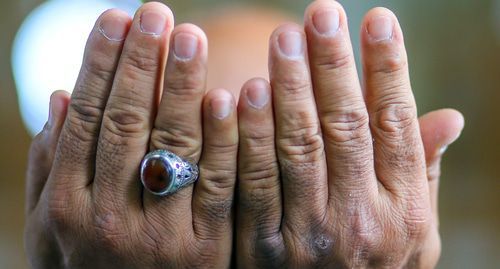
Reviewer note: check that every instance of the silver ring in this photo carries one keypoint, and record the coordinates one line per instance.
(164, 173)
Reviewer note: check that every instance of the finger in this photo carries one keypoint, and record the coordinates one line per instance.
(398, 150)
(298, 137)
(213, 194)
(178, 123)
(42, 150)
(341, 107)
(439, 129)
(76, 150)
(259, 192)
(130, 110)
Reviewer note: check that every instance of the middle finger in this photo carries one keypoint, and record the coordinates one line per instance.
(298, 136)
(341, 108)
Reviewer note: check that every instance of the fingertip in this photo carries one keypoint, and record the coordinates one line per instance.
(443, 125)
(381, 25)
(159, 7)
(255, 94)
(287, 26)
(319, 5)
(193, 29)
(219, 103)
(189, 41)
(114, 24)
(325, 17)
(287, 42)
(154, 19)
(439, 129)
(58, 107)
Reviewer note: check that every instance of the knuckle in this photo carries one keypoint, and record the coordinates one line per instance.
(394, 116)
(347, 127)
(125, 121)
(269, 251)
(185, 82)
(77, 132)
(222, 149)
(84, 117)
(142, 60)
(295, 88)
(109, 230)
(338, 60)
(364, 228)
(391, 65)
(303, 144)
(97, 70)
(261, 186)
(176, 136)
(218, 179)
(257, 136)
(264, 170)
(87, 108)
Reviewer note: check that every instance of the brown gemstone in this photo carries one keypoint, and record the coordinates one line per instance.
(156, 176)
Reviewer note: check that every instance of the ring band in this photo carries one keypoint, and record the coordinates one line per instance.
(164, 173)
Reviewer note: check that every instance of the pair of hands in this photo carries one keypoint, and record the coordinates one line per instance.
(310, 170)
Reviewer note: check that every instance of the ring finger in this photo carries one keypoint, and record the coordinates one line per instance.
(178, 123)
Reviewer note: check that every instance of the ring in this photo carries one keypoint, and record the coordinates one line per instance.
(164, 173)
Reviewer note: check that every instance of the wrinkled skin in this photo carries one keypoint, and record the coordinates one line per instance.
(339, 178)
(327, 177)
(86, 207)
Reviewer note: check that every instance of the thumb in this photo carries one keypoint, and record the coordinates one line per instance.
(438, 129)
(43, 148)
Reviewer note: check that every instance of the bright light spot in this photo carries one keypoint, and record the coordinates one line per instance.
(48, 51)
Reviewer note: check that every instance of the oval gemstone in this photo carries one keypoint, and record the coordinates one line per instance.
(156, 176)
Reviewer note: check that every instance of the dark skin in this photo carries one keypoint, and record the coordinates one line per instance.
(314, 189)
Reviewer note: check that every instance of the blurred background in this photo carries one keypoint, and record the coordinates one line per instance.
(454, 53)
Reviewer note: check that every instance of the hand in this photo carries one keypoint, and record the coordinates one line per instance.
(332, 175)
(85, 205)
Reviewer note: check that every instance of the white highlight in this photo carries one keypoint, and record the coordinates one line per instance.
(48, 51)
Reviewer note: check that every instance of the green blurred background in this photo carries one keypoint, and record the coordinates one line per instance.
(454, 51)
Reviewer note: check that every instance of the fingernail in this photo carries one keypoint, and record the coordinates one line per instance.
(326, 22)
(185, 46)
(257, 96)
(153, 23)
(222, 106)
(113, 29)
(290, 44)
(380, 28)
